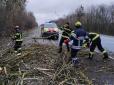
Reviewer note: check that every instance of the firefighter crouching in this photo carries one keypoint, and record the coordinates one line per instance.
(18, 40)
(65, 35)
(76, 41)
(95, 41)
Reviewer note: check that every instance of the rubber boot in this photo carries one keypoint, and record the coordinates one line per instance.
(105, 56)
(60, 50)
(19, 51)
(90, 56)
(75, 61)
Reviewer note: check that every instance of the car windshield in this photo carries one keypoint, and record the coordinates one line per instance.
(50, 25)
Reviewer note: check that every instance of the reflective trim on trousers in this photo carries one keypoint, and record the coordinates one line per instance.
(76, 47)
(20, 40)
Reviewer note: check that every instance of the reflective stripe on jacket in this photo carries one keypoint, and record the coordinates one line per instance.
(66, 32)
(93, 36)
(18, 37)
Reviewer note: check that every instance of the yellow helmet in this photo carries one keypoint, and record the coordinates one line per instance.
(78, 23)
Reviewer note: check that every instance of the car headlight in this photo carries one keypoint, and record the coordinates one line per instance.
(56, 29)
(45, 29)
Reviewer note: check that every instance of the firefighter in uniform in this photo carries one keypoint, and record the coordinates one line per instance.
(76, 41)
(65, 35)
(95, 41)
(18, 40)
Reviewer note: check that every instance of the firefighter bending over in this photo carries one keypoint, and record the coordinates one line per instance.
(95, 41)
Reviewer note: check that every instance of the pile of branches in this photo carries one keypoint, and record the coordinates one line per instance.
(42, 65)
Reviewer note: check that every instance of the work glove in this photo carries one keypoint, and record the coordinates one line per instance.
(86, 45)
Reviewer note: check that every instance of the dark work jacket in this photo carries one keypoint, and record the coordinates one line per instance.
(93, 36)
(77, 36)
(66, 32)
(18, 36)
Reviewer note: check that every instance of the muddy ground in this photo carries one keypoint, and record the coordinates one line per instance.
(42, 65)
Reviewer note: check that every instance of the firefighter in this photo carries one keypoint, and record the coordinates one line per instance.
(76, 41)
(65, 35)
(18, 40)
(95, 41)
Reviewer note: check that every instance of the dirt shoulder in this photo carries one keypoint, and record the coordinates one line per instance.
(42, 65)
(98, 70)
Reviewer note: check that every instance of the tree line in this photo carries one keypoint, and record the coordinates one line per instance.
(95, 18)
(12, 13)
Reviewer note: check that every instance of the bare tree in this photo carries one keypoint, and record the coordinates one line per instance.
(96, 19)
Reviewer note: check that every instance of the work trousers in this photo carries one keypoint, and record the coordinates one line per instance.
(61, 43)
(96, 43)
(17, 45)
(73, 53)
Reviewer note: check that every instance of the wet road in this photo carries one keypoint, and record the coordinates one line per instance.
(108, 42)
(28, 40)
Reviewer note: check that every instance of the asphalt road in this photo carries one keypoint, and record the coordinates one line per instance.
(36, 33)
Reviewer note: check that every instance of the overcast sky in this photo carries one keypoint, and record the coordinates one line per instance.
(46, 10)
